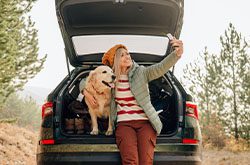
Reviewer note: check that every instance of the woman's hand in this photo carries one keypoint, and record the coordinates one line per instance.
(178, 46)
(90, 98)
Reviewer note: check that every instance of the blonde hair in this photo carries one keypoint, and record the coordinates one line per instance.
(116, 66)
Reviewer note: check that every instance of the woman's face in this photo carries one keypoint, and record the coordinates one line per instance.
(125, 60)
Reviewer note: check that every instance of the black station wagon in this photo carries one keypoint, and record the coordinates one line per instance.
(89, 28)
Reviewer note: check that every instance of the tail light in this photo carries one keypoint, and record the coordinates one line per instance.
(190, 141)
(47, 141)
(192, 110)
(47, 109)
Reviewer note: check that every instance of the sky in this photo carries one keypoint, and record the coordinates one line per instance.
(204, 22)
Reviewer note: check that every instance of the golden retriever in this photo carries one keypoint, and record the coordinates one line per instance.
(99, 84)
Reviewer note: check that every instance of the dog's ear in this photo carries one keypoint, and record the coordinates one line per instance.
(92, 76)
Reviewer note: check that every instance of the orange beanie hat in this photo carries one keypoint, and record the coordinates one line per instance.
(109, 56)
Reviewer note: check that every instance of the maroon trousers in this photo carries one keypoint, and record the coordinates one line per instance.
(136, 141)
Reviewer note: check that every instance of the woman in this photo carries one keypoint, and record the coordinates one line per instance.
(136, 122)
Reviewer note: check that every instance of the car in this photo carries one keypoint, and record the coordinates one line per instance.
(91, 27)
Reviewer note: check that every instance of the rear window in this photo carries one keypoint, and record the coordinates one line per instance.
(92, 44)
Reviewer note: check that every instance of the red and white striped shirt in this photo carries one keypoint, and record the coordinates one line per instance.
(127, 107)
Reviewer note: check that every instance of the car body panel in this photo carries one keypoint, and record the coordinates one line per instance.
(192, 128)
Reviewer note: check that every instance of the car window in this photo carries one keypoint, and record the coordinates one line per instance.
(92, 44)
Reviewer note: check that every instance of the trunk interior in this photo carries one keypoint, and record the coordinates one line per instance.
(75, 119)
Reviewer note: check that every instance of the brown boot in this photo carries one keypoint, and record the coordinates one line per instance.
(79, 126)
(69, 126)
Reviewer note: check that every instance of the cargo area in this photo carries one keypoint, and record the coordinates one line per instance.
(75, 118)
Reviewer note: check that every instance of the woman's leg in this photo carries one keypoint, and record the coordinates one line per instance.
(126, 141)
(146, 143)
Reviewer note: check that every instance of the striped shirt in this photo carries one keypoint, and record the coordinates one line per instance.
(127, 107)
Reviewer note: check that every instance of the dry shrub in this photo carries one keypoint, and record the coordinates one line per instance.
(213, 134)
(214, 137)
(237, 145)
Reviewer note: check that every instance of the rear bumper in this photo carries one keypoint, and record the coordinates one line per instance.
(102, 158)
(92, 158)
(108, 154)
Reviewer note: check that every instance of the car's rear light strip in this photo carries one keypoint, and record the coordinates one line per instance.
(190, 141)
(47, 109)
(47, 141)
(192, 110)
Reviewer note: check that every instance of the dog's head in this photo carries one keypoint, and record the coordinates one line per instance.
(102, 77)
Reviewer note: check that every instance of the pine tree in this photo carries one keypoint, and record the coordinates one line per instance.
(235, 75)
(221, 84)
(203, 85)
(18, 46)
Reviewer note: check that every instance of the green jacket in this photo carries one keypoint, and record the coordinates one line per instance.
(139, 76)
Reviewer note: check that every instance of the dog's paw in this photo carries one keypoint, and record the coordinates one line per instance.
(94, 132)
(109, 133)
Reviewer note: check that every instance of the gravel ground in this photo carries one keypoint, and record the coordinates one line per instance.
(213, 157)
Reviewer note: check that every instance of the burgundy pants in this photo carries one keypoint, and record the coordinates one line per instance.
(136, 142)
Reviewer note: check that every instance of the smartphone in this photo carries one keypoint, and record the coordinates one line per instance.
(170, 37)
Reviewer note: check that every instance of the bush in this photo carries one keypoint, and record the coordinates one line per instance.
(237, 145)
(23, 111)
(213, 134)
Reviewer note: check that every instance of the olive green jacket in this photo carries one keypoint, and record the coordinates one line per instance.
(139, 76)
